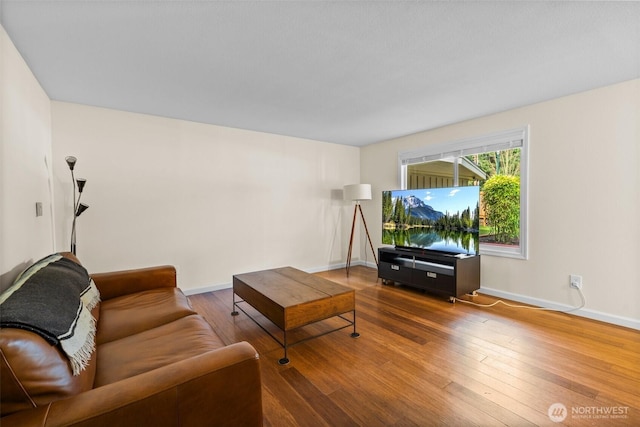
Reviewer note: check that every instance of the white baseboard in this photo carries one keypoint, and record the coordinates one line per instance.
(627, 322)
(205, 289)
(328, 267)
(370, 264)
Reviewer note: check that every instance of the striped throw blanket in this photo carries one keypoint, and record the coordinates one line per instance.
(54, 298)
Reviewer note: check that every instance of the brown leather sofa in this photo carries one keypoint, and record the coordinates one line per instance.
(156, 363)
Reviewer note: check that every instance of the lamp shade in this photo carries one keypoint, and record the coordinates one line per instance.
(81, 208)
(71, 161)
(357, 192)
(81, 183)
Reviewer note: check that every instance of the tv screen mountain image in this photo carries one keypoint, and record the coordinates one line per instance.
(442, 219)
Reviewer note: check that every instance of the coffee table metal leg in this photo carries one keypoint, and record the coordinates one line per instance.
(285, 345)
(285, 359)
(354, 334)
(234, 312)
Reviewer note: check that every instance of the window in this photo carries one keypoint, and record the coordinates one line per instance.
(498, 163)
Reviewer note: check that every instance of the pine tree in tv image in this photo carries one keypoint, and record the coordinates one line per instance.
(442, 219)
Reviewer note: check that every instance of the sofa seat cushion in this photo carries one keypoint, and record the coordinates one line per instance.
(179, 340)
(134, 313)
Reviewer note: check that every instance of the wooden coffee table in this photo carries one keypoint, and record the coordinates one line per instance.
(291, 298)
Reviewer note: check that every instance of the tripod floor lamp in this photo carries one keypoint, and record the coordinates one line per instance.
(358, 192)
(78, 207)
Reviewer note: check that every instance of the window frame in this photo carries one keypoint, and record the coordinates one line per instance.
(507, 139)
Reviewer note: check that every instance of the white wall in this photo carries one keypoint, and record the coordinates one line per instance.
(25, 160)
(584, 202)
(213, 201)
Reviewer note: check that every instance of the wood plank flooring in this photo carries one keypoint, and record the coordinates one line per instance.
(423, 361)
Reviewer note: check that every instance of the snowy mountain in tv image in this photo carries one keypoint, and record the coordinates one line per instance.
(420, 209)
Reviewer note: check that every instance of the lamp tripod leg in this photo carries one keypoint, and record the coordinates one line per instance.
(368, 236)
(353, 228)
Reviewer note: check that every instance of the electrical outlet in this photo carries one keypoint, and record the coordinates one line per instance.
(575, 281)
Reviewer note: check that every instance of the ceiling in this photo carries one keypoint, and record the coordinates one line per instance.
(348, 72)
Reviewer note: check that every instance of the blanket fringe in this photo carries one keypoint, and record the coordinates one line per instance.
(91, 297)
(80, 346)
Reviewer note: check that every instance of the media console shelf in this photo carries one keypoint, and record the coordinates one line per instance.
(443, 273)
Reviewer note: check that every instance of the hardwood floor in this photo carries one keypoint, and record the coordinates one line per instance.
(421, 360)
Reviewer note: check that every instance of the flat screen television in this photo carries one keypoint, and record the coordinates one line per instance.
(439, 219)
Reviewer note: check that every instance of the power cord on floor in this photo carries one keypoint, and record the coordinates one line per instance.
(584, 302)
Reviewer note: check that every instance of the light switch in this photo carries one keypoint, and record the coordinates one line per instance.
(38, 209)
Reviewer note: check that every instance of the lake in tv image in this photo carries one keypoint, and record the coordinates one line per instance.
(442, 219)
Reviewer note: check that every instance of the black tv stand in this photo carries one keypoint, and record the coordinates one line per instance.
(443, 273)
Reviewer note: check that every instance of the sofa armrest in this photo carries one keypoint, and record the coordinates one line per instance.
(218, 388)
(117, 283)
